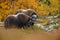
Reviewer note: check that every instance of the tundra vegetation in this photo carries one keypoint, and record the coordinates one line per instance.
(47, 10)
(48, 20)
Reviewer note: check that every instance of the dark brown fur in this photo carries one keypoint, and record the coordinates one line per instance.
(29, 12)
(18, 20)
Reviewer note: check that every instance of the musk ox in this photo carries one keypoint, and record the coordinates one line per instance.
(29, 12)
(19, 20)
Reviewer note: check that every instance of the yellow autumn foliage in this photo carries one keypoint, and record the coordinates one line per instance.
(9, 7)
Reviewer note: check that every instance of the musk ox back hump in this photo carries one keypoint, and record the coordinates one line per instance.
(28, 12)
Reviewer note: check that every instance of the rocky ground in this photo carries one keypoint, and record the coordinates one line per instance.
(48, 23)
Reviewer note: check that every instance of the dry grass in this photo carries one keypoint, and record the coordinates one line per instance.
(28, 34)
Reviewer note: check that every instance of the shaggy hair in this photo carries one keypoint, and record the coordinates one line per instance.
(29, 12)
(19, 20)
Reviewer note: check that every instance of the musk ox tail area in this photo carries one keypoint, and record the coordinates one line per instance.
(9, 21)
